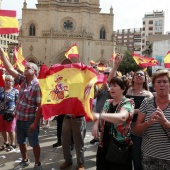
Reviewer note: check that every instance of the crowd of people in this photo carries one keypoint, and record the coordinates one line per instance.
(131, 123)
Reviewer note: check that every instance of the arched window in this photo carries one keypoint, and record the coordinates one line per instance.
(102, 33)
(32, 30)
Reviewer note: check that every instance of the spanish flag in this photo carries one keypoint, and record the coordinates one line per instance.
(19, 59)
(72, 52)
(101, 68)
(64, 93)
(167, 60)
(1, 62)
(8, 22)
(144, 61)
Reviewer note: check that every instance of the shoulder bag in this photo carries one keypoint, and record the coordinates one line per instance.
(118, 152)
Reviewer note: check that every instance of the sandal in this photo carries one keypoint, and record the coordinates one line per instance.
(4, 146)
(10, 148)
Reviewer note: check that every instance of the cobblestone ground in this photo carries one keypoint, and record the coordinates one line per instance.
(51, 158)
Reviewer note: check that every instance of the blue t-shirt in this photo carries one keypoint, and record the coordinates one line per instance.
(9, 98)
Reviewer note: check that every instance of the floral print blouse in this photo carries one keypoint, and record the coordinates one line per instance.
(122, 130)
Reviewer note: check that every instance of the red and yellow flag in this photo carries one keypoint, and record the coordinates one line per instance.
(1, 62)
(19, 59)
(101, 68)
(8, 22)
(167, 60)
(144, 61)
(72, 52)
(64, 93)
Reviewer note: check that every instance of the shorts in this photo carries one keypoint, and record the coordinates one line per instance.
(23, 136)
(7, 126)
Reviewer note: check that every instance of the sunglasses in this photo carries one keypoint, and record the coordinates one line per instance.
(139, 74)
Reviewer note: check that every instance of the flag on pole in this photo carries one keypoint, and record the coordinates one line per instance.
(112, 57)
(167, 60)
(64, 93)
(8, 22)
(19, 59)
(72, 52)
(144, 61)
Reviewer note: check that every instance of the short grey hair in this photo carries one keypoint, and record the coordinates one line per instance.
(9, 77)
(35, 67)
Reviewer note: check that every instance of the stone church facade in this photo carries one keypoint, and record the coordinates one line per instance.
(50, 29)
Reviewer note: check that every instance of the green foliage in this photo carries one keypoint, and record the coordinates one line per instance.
(128, 64)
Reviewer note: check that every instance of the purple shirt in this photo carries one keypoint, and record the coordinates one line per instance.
(28, 99)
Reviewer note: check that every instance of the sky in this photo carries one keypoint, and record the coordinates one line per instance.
(127, 13)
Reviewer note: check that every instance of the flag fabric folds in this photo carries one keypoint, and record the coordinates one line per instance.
(72, 52)
(19, 59)
(167, 60)
(8, 22)
(68, 89)
(144, 61)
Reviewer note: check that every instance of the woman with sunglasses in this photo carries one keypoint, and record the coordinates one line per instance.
(138, 91)
(154, 123)
(8, 97)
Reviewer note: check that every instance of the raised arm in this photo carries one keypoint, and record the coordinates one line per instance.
(8, 66)
(116, 64)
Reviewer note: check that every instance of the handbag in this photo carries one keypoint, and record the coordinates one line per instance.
(8, 114)
(118, 152)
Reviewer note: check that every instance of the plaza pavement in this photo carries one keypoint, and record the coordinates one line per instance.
(51, 158)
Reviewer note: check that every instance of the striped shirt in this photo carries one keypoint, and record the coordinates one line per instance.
(28, 99)
(155, 142)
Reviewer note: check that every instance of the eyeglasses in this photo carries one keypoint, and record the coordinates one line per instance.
(162, 82)
(139, 74)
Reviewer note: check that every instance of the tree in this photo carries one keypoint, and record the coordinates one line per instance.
(128, 64)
